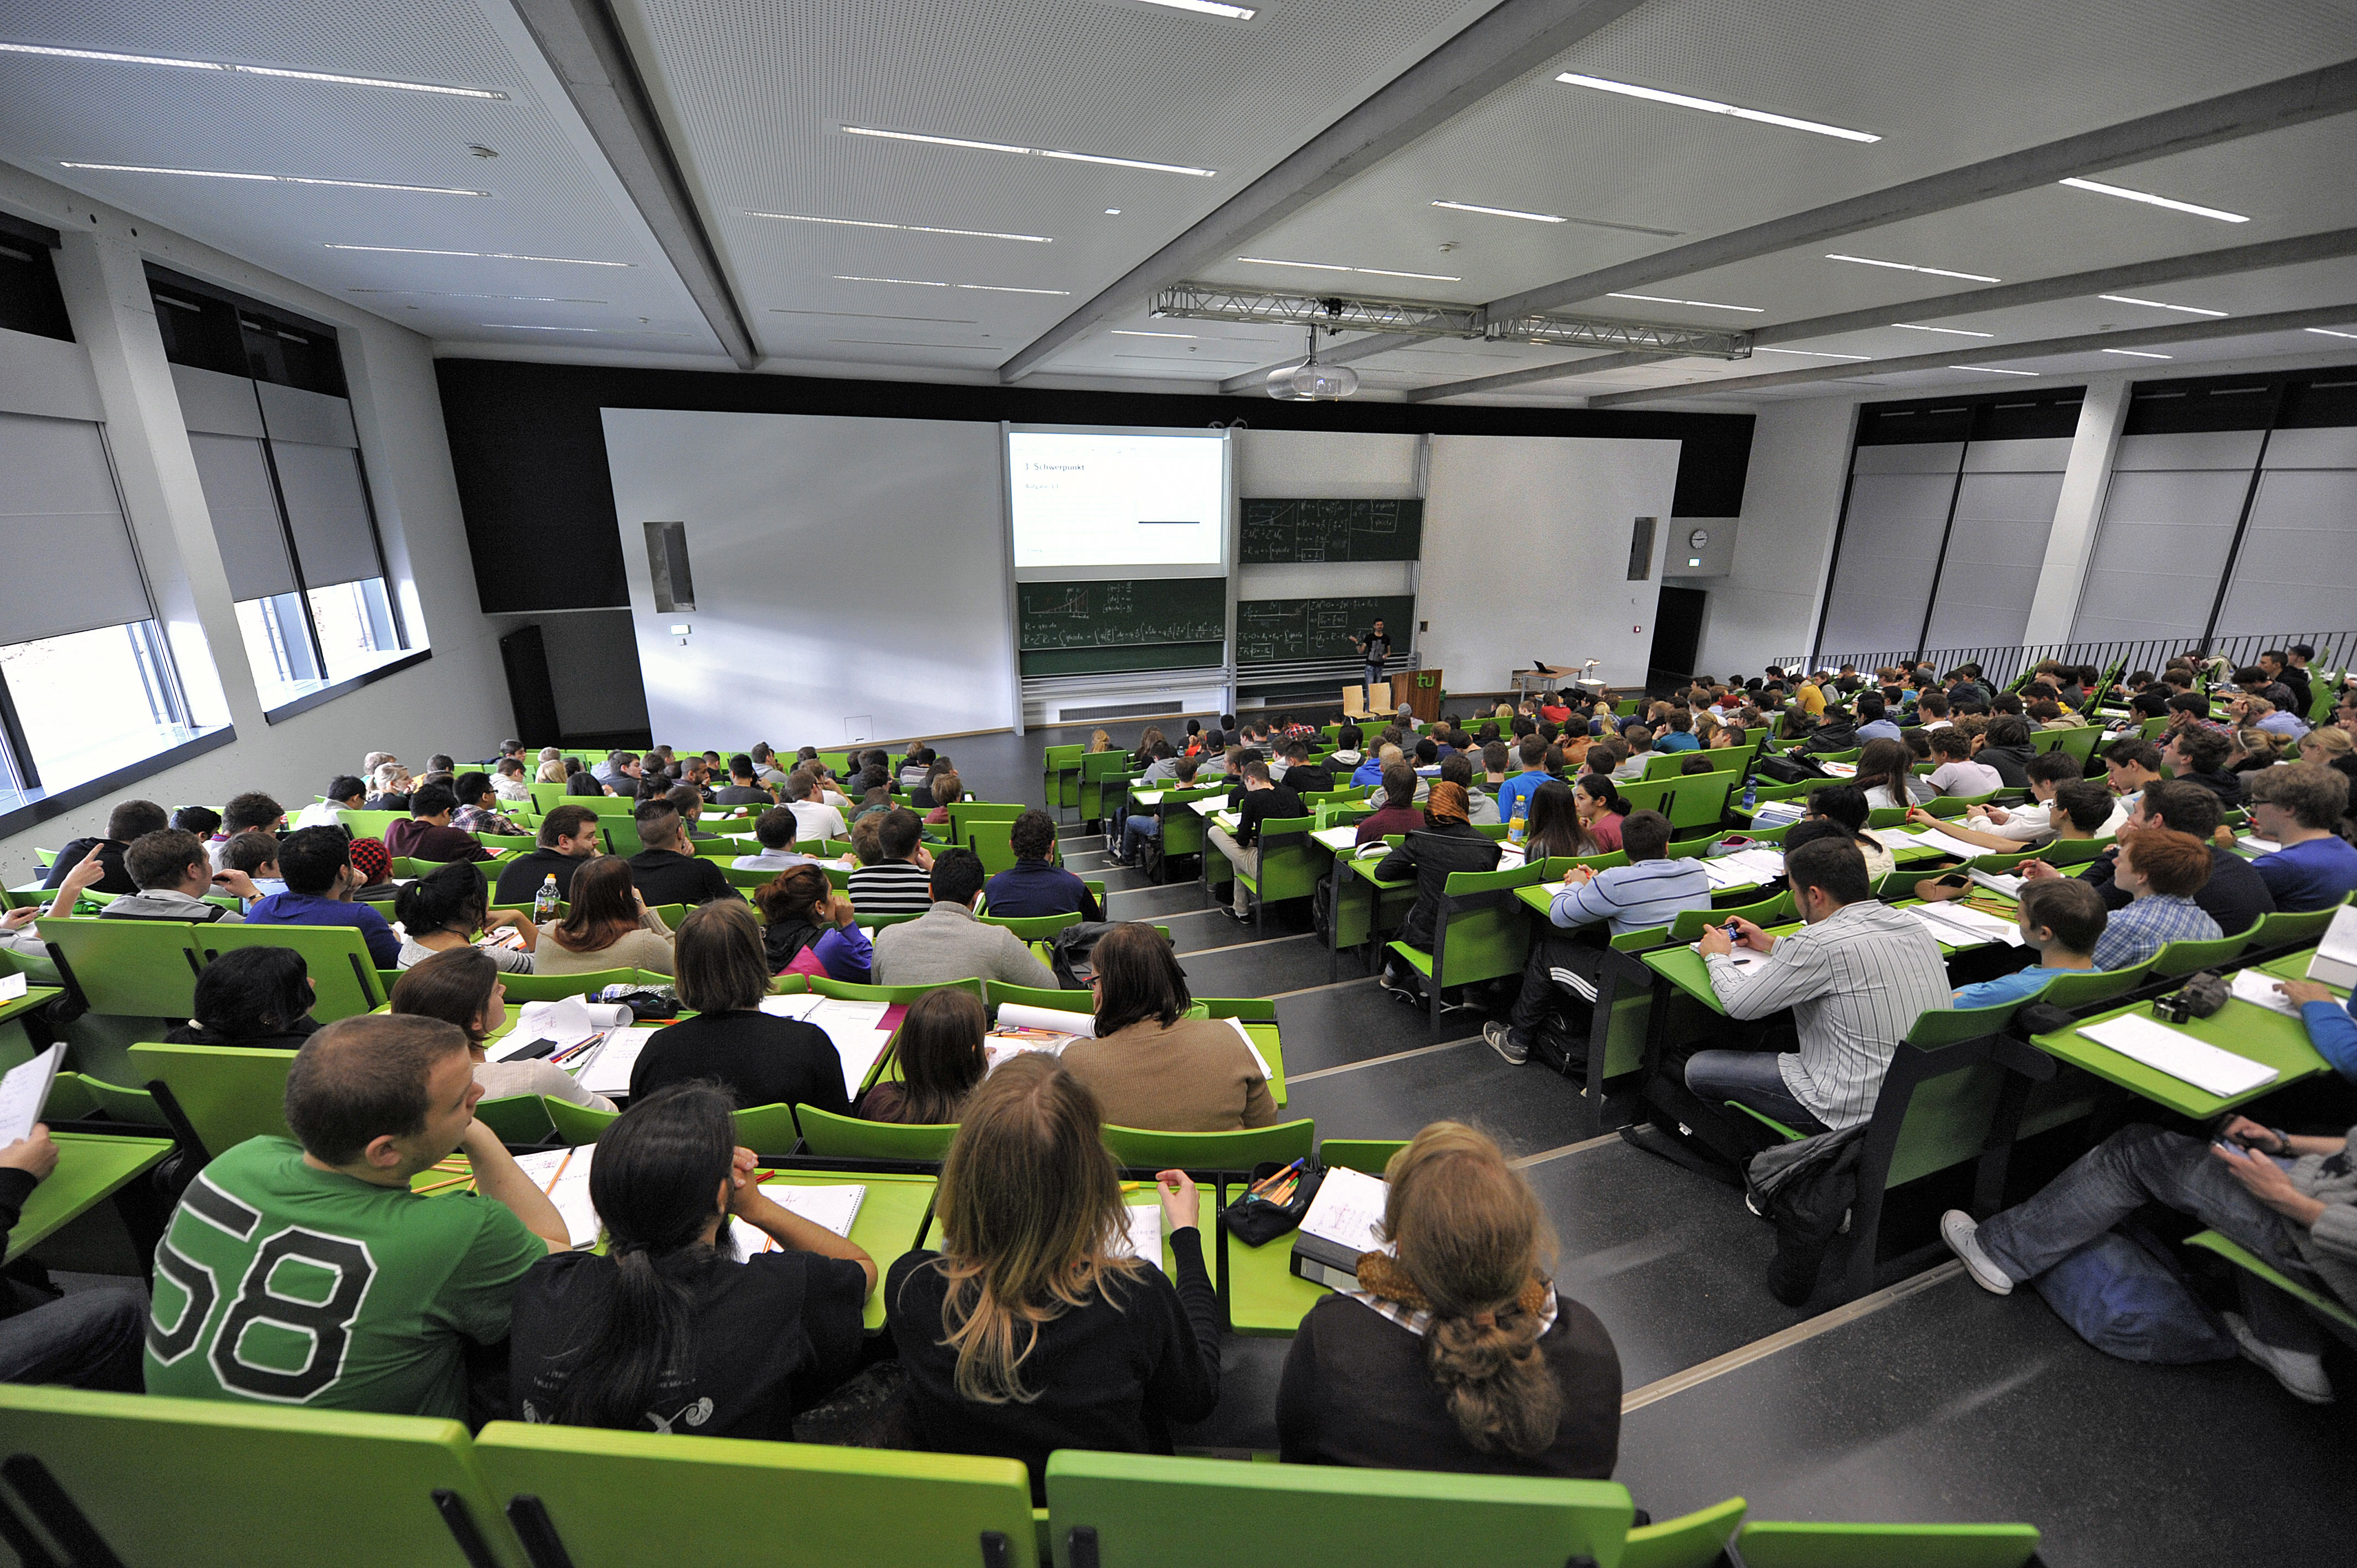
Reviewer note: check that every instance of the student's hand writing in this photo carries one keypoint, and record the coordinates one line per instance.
(1180, 1203)
(33, 1153)
(1918, 814)
(2300, 992)
(2223, 836)
(2037, 871)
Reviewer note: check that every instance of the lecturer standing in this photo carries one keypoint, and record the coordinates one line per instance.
(1376, 646)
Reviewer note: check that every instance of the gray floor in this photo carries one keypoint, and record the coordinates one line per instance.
(1945, 1404)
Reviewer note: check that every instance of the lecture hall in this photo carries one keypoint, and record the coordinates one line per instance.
(1276, 746)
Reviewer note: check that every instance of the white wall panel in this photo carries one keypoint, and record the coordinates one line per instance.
(2297, 567)
(2162, 546)
(72, 567)
(236, 478)
(1890, 550)
(1995, 550)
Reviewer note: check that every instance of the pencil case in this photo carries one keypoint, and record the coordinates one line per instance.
(1256, 1221)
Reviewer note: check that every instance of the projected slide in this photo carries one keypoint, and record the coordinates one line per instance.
(1083, 499)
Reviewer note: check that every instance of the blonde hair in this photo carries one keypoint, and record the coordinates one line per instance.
(2324, 743)
(1469, 1232)
(1030, 1211)
(1100, 740)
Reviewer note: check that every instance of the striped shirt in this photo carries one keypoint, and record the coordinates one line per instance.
(1856, 981)
(2134, 934)
(894, 887)
(1648, 893)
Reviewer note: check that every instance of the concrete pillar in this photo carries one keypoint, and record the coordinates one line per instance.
(2079, 511)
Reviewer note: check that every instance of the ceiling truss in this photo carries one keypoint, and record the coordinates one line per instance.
(1404, 318)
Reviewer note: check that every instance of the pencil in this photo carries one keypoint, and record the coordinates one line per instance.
(1274, 1177)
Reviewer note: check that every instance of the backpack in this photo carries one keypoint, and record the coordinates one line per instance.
(2126, 1298)
(1070, 952)
(1791, 770)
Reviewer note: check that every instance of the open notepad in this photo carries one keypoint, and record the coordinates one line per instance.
(25, 1091)
(2335, 963)
(834, 1207)
(1143, 1239)
(2181, 1056)
(855, 1029)
(1960, 926)
(564, 1174)
(606, 1069)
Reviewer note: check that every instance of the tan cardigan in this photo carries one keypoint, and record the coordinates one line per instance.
(648, 948)
(1194, 1076)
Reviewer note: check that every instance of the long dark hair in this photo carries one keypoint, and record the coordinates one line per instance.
(1555, 826)
(659, 1168)
(1141, 978)
(599, 909)
(939, 1047)
(248, 992)
(448, 898)
(1889, 764)
(455, 986)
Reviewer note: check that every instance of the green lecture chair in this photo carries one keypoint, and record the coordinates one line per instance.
(516, 1118)
(1152, 1510)
(1367, 1155)
(390, 1491)
(2241, 1258)
(2072, 992)
(228, 1093)
(849, 1138)
(2182, 957)
(342, 974)
(523, 988)
(1482, 932)
(1138, 1148)
(618, 1499)
(992, 841)
(578, 1125)
(145, 969)
(1690, 1541)
(1033, 928)
(852, 991)
(1783, 1545)
(76, 1096)
(1290, 863)
(2282, 928)
(1096, 768)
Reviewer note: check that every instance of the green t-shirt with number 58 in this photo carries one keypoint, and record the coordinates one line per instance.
(283, 1283)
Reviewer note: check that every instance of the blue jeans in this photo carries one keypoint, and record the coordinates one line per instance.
(1375, 676)
(1136, 828)
(2141, 1164)
(89, 1339)
(1750, 1078)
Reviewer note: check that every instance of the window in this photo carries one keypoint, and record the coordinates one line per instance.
(86, 705)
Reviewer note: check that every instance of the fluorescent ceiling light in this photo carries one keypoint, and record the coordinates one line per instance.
(1812, 353)
(2139, 354)
(2149, 200)
(2327, 332)
(1697, 304)
(452, 294)
(904, 228)
(1502, 211)
(1331, 267)
(527, 326)
(930, 283)
(1208, 8)
(1712, 106)
(1910, 267)
(117, 58)
(2158, 304)
(1992, 371)
(1034, 152)
(477, 255)
(1133, 332)
(1951, 331)
(276, 178)
(597, 331)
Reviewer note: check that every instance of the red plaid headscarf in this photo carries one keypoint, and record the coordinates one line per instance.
(371, 860)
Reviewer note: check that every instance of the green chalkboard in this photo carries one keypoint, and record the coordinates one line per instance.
(1277, 530)
(1141, 623)
(1276, 631)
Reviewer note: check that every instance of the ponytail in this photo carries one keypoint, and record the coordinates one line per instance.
(449, 898)
(616, 1380)
(1500, 1389)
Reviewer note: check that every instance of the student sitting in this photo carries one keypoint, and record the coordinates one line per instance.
(1638, 742)
(2080, 808)
(665, 871)
(2061, 922)
(1151, 1066)
(1035, 884)
(744, 786)
(1679, 735)
(1651, 890)
(462, 986)
(1601, 809)
(569, 838)
(428, 833)
(667, 1331)
(478, 807)
(809, 928)
(946, 789)
(344, 793)
(2297, 807)
(2160, 870)
(2006, 747)
(1555, 830)
(1264, 800)
(1138, 826)
(253, 854)
(722, 976)
(250, 812)
(2286, 1198)
(1844, 804)
(446, 908)
(1369, 771)
(1299, 773)
(128, 820)
(1874, 719)
(1957, 773)
(1347, 752)
(1397, 814)
(2198, 757)
(255, 997)
(607, 925)
(317, 863)
(2009, 828)
(1481, 807)
(1856, 980)
(579, 780)
(1455, 1352)
(1033, 1329)
(1885, 772)
(1514, 793)
(776, 829)
(1448, 843)
(508, 782)
(89, 1339)
(947, 942)
(373, 1101)
(940, 1051)
(174, 875)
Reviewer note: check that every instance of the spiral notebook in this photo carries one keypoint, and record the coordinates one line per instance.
(834, 1207)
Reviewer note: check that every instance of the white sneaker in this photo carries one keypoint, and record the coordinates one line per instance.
(2301, 1373)
(1958, 1229)
(1502, 1040)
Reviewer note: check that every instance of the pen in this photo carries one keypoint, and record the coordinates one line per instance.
(1274, 1177)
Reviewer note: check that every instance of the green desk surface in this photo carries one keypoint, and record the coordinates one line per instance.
(35, 997)
(892, 1216)
(1264, 1297)
(91, 1168)
(2294, 966)
(2242, 1027)
(1683, 967)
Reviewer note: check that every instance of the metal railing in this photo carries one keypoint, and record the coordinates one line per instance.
(2003, 665)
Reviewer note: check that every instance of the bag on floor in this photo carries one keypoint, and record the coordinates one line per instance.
(1321, 906)
(1149, 856)
(2128, 1300)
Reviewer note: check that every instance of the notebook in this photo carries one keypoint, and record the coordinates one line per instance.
(2258, 988)
(606, 1069)
(25, 1091)
(832, 1208)
(564, 1174)
(1144, 1237)
(1345, 1219)
(2181, 1056)
(2335, 962)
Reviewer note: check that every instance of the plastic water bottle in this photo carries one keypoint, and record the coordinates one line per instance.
(1750, 793)
(544, 903)
(1515, 827)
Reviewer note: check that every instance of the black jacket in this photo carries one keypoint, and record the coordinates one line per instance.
(109, 854)
(1275, 803)
(2226, 784)
(2011, 762)
(1833, 736)
(667, 877)
(520, 878)
(1308, 778)
(1430, 856)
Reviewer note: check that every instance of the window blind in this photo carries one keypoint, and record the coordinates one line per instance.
(327, 513)
(236, 479)
(72, 566)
